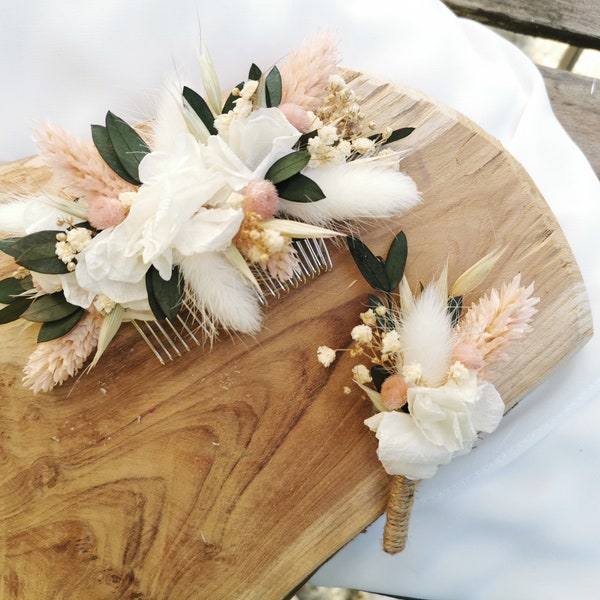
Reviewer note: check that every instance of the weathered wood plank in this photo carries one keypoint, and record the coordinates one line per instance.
(576, 23)
(576, 102)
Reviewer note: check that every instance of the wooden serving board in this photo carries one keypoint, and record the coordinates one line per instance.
(234, 473)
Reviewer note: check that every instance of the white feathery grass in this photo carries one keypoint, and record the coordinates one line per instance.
(170, 120)
(355, 190)
(215, 287)
(12, 217)
(427, 336)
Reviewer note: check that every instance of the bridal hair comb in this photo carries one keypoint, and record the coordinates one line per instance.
(187, 224)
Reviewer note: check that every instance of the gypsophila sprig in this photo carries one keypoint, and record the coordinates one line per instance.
(201, 209)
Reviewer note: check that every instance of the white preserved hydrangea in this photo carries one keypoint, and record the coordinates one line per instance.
(441, 423)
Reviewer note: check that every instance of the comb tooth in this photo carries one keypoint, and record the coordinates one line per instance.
(157, 338)
(148, 342)
(165, 338)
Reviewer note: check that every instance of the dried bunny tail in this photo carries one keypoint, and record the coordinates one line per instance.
(170, 120)
(356, 190)
(77, 164)
(12, 216)
(53, 362)
(427, 336)
(220, 294)
(305, 73)
(498, 319)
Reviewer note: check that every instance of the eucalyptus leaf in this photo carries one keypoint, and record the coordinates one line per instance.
(302, 142)
(50, 307)
(11, 288)
(455, 304)
(201, 108)
(287, 166)
(254, 73)
(164, 297)
(230, 102)
(37, 252)
(6, 246)
(107, 151)
(128, 144)
(55, 329)
(385, 322)
(396, 135)
(371, 267)
(299, 188)
(274, 87)
(14, 310)
(395, 261)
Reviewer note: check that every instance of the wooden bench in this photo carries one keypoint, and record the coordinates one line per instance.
(575, 98)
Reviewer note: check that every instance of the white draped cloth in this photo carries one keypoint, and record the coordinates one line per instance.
(517, 518)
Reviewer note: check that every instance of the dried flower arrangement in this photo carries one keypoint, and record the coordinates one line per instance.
(194, 208)
(427, 366)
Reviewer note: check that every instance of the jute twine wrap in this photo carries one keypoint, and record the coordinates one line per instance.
(400, 501)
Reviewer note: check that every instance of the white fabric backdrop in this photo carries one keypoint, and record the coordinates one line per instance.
(517, 517)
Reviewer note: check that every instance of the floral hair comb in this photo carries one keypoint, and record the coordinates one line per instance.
(188, 223)
(427, 367)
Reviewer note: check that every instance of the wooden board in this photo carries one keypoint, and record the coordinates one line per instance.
(575, 23)
(235, 473)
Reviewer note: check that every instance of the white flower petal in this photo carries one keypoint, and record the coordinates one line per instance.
(488, 408)
(210, 230)
(403, 449)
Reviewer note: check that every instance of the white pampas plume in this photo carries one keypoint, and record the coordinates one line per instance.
(355, 190)
(215, 288)
(427, 336)
(12, 217)
(170, 120)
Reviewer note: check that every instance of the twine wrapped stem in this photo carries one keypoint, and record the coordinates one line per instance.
(400, 501)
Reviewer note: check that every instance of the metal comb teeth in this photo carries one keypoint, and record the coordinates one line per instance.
(169, 339)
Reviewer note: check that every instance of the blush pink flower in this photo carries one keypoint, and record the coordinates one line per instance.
(260, 197)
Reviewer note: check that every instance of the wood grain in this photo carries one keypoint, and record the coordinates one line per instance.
(576, 102)
(235, 473)
(575, 23)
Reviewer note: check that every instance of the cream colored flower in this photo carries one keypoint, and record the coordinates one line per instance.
(391, 342)
(362, 334)
(361, 374)
(325, 355)
(368, 318)
(412, 372)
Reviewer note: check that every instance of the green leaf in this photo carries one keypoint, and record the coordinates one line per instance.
(55, 329)
(128, 144)
(11, 288)
(107, 151)
(254, 73)
(396, 135)
(6, 246)
(396, 260)
(455, 304)
(371, 267)
(299, 188)
(385, 322)
(230, 102)
(273, 87)
(164, 297)
(14, 310)
(50, 307)
(37, 252)
(302, 142)
(287, 166)
(200, 107)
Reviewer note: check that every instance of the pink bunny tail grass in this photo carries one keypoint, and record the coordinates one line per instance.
(305, 73)
(77, 165)
(53, 362)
